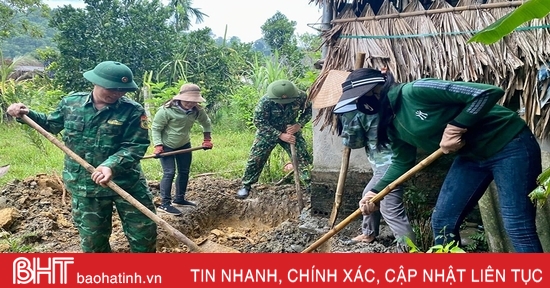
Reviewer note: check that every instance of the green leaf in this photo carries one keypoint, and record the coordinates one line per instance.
(540, 194)
(527, 11)
(544, 177)
(457, 249)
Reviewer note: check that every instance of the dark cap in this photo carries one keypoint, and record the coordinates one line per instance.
(358, 83)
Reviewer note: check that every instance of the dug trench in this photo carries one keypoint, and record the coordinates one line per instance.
(35, 213)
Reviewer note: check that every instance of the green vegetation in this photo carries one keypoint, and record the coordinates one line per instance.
(227, 159)
(163, 54)
(8, 243)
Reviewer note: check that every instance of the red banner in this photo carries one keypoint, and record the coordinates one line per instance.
(274, 270)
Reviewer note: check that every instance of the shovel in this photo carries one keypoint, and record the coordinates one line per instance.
(173, 152)
(167, 227)
(421, 165)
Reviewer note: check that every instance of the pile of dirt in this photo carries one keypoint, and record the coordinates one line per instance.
(35, 212)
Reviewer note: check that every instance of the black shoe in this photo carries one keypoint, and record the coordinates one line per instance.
(183, 203)
(169, 209)
(243, 193)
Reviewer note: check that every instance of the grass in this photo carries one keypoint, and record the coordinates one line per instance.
(20, 147)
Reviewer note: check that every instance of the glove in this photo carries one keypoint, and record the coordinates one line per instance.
(452, 139)
(158, 149)
(207, 144)
(366, 206)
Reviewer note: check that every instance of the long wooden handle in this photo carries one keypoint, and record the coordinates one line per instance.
(297, 177)
(173, 152)
(171, 230)
(340, 186)
(421, 165)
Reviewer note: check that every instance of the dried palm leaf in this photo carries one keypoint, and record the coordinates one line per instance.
(465, 61)
(433, 62)
(374, 29)
(505, 61)
(406, 50)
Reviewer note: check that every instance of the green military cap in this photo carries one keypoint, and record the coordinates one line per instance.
(113, 76)
(282, 92)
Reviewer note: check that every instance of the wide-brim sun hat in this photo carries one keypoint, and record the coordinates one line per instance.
(282, 92)
(112, 75)
(331, 90)
(190, 93)
(358, 83)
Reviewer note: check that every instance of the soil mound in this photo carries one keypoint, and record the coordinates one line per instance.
(36, 212)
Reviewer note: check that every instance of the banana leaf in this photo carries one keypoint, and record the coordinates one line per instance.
(527, 11)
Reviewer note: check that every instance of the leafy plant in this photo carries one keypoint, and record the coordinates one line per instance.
(450, 247)
(542, 192)
(243, 102)
(479, 243)
(419, 213)
(16, 244)
(527, 11)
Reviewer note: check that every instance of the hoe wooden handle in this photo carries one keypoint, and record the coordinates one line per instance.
(125, 195)
(421, 165)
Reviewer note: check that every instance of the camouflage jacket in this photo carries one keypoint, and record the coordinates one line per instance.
(359, 130)
(116, 137)
(271, 118)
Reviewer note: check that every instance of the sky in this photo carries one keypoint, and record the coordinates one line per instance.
(242, 17)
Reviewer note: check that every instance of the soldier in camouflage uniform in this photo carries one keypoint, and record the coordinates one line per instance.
(279, 118)
(110, 132)
(359, 129)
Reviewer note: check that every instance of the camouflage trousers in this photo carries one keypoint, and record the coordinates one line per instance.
(93, 218)
(260, 152)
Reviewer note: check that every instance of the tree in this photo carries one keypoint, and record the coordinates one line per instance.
(183, 13)
(215, 67)
(24, 44)
(134, 32)
(11, 23)
(278, 33)
(260, 46)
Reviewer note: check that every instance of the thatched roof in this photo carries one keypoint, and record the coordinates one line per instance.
(431, 42)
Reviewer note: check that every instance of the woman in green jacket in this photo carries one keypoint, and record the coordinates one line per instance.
(171, 128)
(491, 142)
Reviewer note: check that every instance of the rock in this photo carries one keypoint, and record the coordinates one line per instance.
(297, 248)
(4, 248)
(62, 221)
(217, 232)
(3, 202)
(7, 217)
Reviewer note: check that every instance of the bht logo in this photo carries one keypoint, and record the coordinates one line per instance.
(27, 271)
